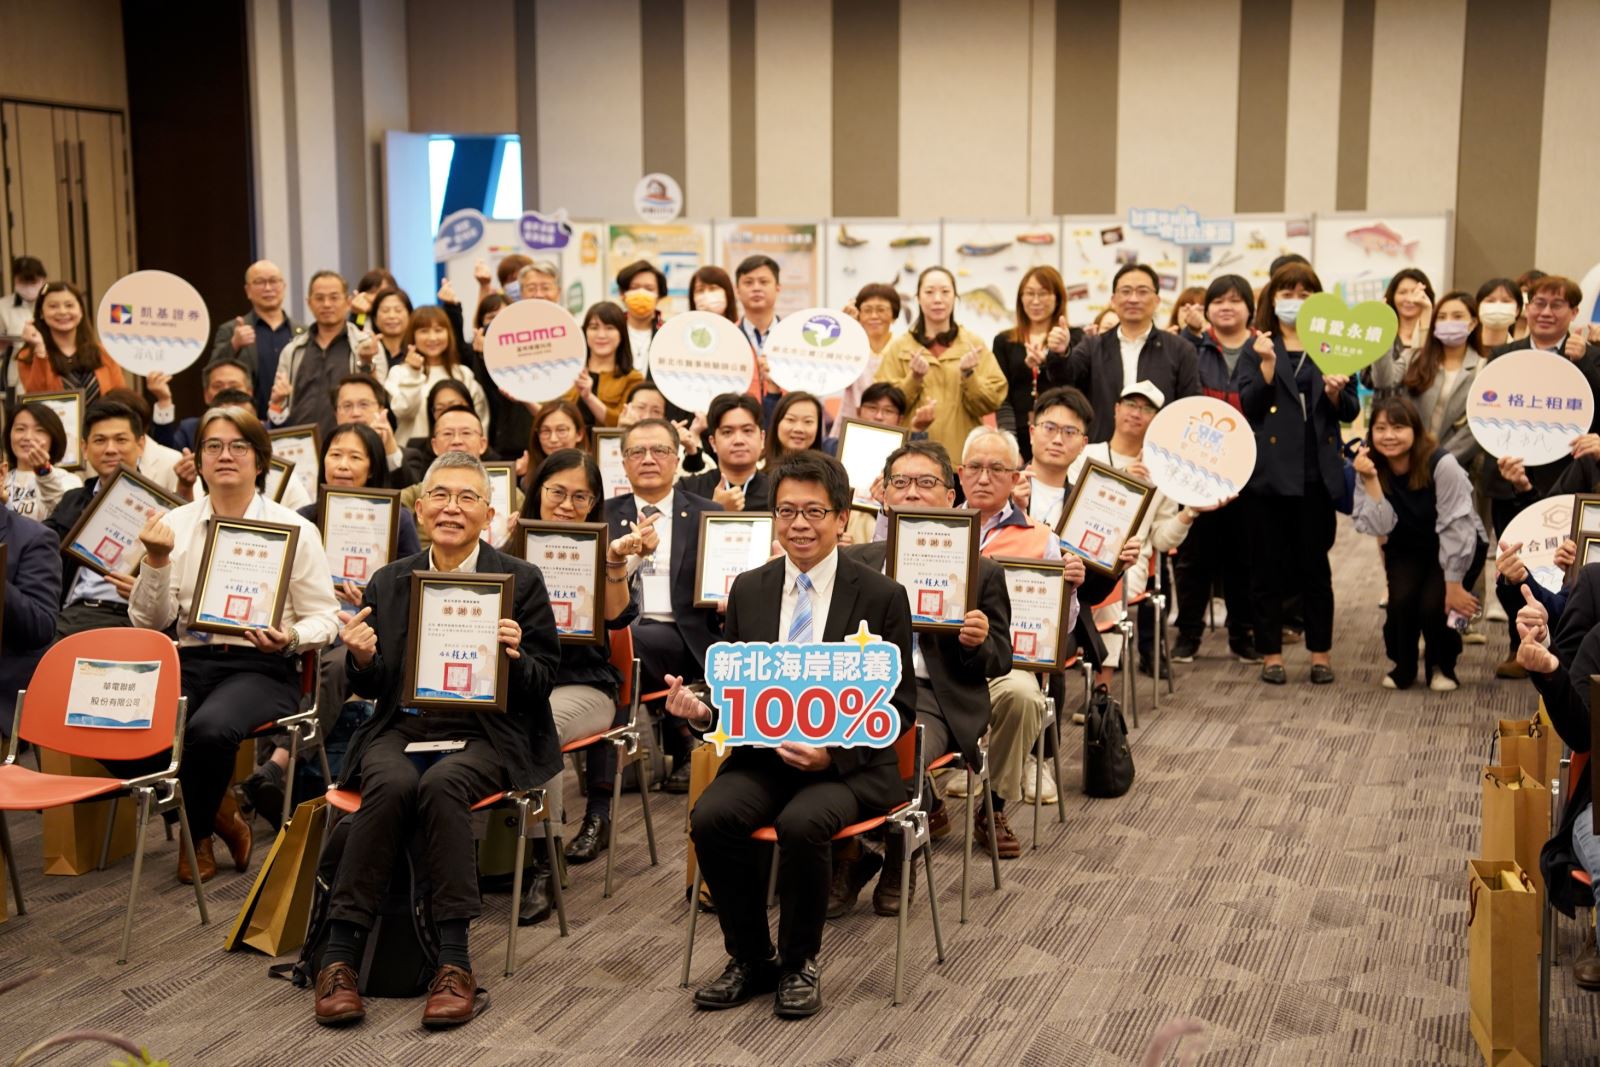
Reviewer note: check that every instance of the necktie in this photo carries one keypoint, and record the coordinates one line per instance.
(800, 628)
(650, 511)
(647, 512)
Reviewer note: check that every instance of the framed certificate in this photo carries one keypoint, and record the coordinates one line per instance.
(933, 553)
(360, 531)
(731, 542)
(301, 446)
(863, 449)
(244, 576)
(1588, 551)
(1103, 511)
(502, 476)
(608, 454)
(1585, 515)
(453, 657)
(572, 558)
(68, 407)
(106, 537)
(1040, 609)
(279, 472)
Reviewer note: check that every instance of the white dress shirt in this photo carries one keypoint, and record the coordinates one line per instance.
(1131, 347)
(469, 565)
(821, 574)
(655, 601)
(159, 463)
(310, 606)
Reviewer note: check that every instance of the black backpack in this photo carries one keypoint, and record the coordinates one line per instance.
(401, 952)
(1107, 759)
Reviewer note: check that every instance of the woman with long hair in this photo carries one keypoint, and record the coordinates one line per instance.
(556, 425)
(712, 290)
(1437, 376)
(60, 349)
(601, 389)
(1410, 294)
(430, 356)
(1041, 329)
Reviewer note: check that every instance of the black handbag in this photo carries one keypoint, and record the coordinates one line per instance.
(1107, 759)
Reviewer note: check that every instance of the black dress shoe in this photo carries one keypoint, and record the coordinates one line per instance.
(591, 839)
(1274, 674)
(1321, 674)
(678, 780)
(799, 992)
(737, 983)
(537, 897)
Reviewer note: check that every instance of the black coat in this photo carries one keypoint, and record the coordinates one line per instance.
(757, 497)
(1021, 387)
(1167, 361)
(960, 675)
(1566, 700)
(33, 596)
(61, 521)
(1274, 412)
(699, 627)
(524, 735)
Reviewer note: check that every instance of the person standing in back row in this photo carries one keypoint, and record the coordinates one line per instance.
(257, 338)
(311, 365)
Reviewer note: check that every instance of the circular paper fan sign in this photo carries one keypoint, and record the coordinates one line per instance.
(819, 351)
(1200, 451)
(1530, 405)
(534, 350)
(699, 355)
(151, 321)
(1540, 528)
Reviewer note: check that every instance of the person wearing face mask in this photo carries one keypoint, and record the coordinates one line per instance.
(16, 308)
(1499, 308)
(712, 290)
(642, 285)
(1295, 411)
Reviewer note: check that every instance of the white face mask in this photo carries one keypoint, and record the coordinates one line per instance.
(1497, 313)
(712, 300)
(29, 291)
(1287, 309)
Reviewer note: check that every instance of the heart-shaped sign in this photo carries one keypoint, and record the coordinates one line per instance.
(1341, 339)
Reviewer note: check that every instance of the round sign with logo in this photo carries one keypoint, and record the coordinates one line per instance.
(1540, 528)
(534, 350)
(151, 320)
(818, 350)
(1200, 451)
(699, 355)
(1530, 405)
(657, 198)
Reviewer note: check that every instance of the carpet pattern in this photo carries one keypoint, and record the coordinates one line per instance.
(1289, 868)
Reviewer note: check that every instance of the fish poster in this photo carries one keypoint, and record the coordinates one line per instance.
(989, 259)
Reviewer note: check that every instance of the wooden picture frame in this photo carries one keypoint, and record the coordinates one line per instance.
(607, 446)
(1054, 570)
(709, 521)
(120, 482)
(560, 573)
(1585, 515)
(328, 496)
(499, 587)
(864, 449)
(919, 597)
(72, 458)
(1588, 551)
(307, 431)
(290, 537)
(1093, 472)
(283, 470)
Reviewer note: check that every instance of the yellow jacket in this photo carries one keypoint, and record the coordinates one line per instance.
(961, 402)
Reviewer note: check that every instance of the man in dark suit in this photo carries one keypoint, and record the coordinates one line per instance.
(671, 634)
(257, 337)
(807, 793)
(32, 579)
(429, 792)
(952, 672)
(1136, 351)
(734, 420)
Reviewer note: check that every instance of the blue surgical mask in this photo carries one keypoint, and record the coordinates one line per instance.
(513, 291)
(1287, 309)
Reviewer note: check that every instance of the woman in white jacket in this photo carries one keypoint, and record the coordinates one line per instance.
(430, 356)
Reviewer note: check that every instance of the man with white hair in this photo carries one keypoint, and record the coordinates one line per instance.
(540, 280)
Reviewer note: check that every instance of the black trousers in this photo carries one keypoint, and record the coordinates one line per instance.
(401, 795)
(1290, 537)
(84, 615)
(1502, 512)
(1217, 547)
(1416, 610)
(662, 651)
(807, 808)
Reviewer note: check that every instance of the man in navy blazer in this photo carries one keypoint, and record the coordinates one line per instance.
(32, 596)
(672, 635)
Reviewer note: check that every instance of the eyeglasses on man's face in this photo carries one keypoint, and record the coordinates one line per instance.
(640, 451)
(979, 471)
(465, 499)
(1055, 429)
(238, 448)
(787, 513)
(921, 481)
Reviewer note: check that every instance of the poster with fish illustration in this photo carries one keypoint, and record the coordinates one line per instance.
(887, 251)
(1357, 254)
(1094, 248)
(989, 258)
(1257, 241)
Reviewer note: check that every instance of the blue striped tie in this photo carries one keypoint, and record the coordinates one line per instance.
(800, 628)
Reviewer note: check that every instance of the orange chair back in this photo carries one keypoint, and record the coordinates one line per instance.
(44, 710)
(1113, 597)
(905, 750)
(622, 660)
(1575, 771)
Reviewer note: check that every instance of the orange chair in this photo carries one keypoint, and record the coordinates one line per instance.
(982, 783)
(625, 740)
(302, 728)
(46, 725)
(908, 820)
(1572, 764)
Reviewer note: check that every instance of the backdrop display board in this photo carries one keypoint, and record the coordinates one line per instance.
(1257, 241)
(793, 245)
(1357, 254)
(989, 258)
(891, 252)
(678, 248)
(1095, 248)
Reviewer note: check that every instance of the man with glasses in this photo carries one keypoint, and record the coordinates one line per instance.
(540, 280)
(734, 420)
(257, 338)
(361, 398)
(455, 430)
(1103, 365)
(808, 793)
(1059, 428)
(311, 365)
(672, 635)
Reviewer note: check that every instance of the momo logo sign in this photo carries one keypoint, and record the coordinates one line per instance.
(523, 337)
(534, 351)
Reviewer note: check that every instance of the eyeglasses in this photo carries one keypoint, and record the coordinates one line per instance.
(1036, 294)
(1141, 292)
(812, 512)
(367, 404)
(639, 451)
(238, 448)
(1558, 306)
(922, 481)
(1055, 429)
(443, 498)
(451, 437)
(266, 283)
(558, 432)
(993, 470)
(557, 495)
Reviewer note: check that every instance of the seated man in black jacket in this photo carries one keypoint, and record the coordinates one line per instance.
(403, 793)
(734, 422)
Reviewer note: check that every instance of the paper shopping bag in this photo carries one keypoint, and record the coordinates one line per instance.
(73, 834)
(1503, 963)
(275, 912)
(1552, 748)
(1516, 819)
(703, 764)
(1526, 743)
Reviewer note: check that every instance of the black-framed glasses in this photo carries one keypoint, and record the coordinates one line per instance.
(581, 500)
(441, 497)
(812, 512)
(921, 481)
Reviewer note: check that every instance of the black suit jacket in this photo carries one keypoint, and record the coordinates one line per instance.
(755, 604)
(1167, 361)
(1274, 414)
(757, 496)
(61, 521)
(524, 735)
(960, 675)
(700, 627)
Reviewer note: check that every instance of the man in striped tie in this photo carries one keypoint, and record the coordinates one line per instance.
(810, 593)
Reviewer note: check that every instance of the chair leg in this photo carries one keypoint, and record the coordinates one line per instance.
(288, 777)
(966, 848)
(644, 805)
(994, 846)
(322, 758)
(1038, 781)
(141, 820)
(611, 825)
(694, 914)
(186, 842)
(516, 884)
(933, 901)
(1130, 669)
(111, 828)
(11, 864)
(772, 879)
(905, 907)
(558, 887)
(1061, 788)
(1159, 605)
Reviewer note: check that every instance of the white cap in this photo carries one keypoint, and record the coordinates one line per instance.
(1146, 389)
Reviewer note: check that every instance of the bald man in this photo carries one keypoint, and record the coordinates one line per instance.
(256, 338)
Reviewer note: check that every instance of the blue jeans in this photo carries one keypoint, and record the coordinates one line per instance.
(1586, 846)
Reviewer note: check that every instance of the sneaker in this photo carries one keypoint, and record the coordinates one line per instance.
(1392, 680)
(1442, 683)
(1184, 651)
(1047, 782)
(1388, 682)
(1244, 650)
(955, 784)
(1494, 612)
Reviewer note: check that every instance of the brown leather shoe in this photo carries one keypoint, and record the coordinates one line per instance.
(1006, 843)
(886, 896)
(338, 1000)
(202, 858)
(234, 831)
(939, 820)
(1586, 968)
(453, 998)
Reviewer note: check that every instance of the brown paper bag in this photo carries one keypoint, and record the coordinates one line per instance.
(1516, 819)
(275, 912)
(1525, 743)
(703, 764)
(1503, 963)
(1552, 750)
(73, 834)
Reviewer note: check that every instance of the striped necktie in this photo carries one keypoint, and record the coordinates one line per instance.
(800, 628)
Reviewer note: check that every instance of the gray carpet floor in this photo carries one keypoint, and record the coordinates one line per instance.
(1290, 869)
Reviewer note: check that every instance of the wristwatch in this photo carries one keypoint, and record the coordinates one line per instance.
(294, 642)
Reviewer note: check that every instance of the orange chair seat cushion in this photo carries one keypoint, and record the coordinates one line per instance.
(581, 742)
(349, 800)
(770, 833)
(22, 789)
(1581, 875)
